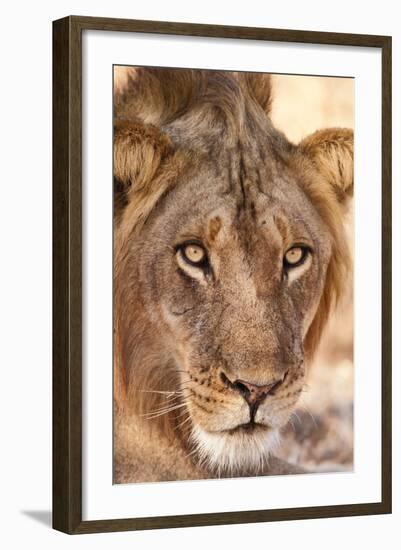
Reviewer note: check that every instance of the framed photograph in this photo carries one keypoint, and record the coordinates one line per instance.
(222, 275)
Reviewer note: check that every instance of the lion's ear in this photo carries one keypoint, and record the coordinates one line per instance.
(331, 152)
(145, 165)
(138, 152)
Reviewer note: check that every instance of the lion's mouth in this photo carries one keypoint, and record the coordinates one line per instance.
(249, 427)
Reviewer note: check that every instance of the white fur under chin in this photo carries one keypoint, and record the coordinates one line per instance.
(233, 453)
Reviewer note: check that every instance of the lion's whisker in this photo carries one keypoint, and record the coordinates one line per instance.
(183, 422)
(162, 392)
(292, 425)
(297, 417)
(165, 407)
(181, 413)
(160, 412)
(192, 452)
(305, 408)
(172, 398)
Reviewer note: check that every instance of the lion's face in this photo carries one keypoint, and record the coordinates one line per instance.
(229, 251)
(232, 274)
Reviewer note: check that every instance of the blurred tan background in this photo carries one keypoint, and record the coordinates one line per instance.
(320, 435)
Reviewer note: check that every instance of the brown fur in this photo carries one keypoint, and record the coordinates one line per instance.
(157, 97)
(175, 132)
(328, 184)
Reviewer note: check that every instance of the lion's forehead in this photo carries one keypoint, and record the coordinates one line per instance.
(238, 186)
(278, 217)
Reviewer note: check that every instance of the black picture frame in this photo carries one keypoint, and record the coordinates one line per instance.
(67, 274)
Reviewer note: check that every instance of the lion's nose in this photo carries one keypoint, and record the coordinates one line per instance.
(254, 394)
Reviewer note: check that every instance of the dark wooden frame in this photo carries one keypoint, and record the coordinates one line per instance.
(67, 225)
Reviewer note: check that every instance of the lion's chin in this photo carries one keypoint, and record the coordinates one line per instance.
(244, 450)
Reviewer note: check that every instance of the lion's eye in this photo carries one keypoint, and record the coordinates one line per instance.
(194, 253)
(295, 256)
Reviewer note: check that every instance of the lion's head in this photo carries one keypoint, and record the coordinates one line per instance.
(229, 254)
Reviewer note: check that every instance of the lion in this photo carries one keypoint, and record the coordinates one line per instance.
(229, 255)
